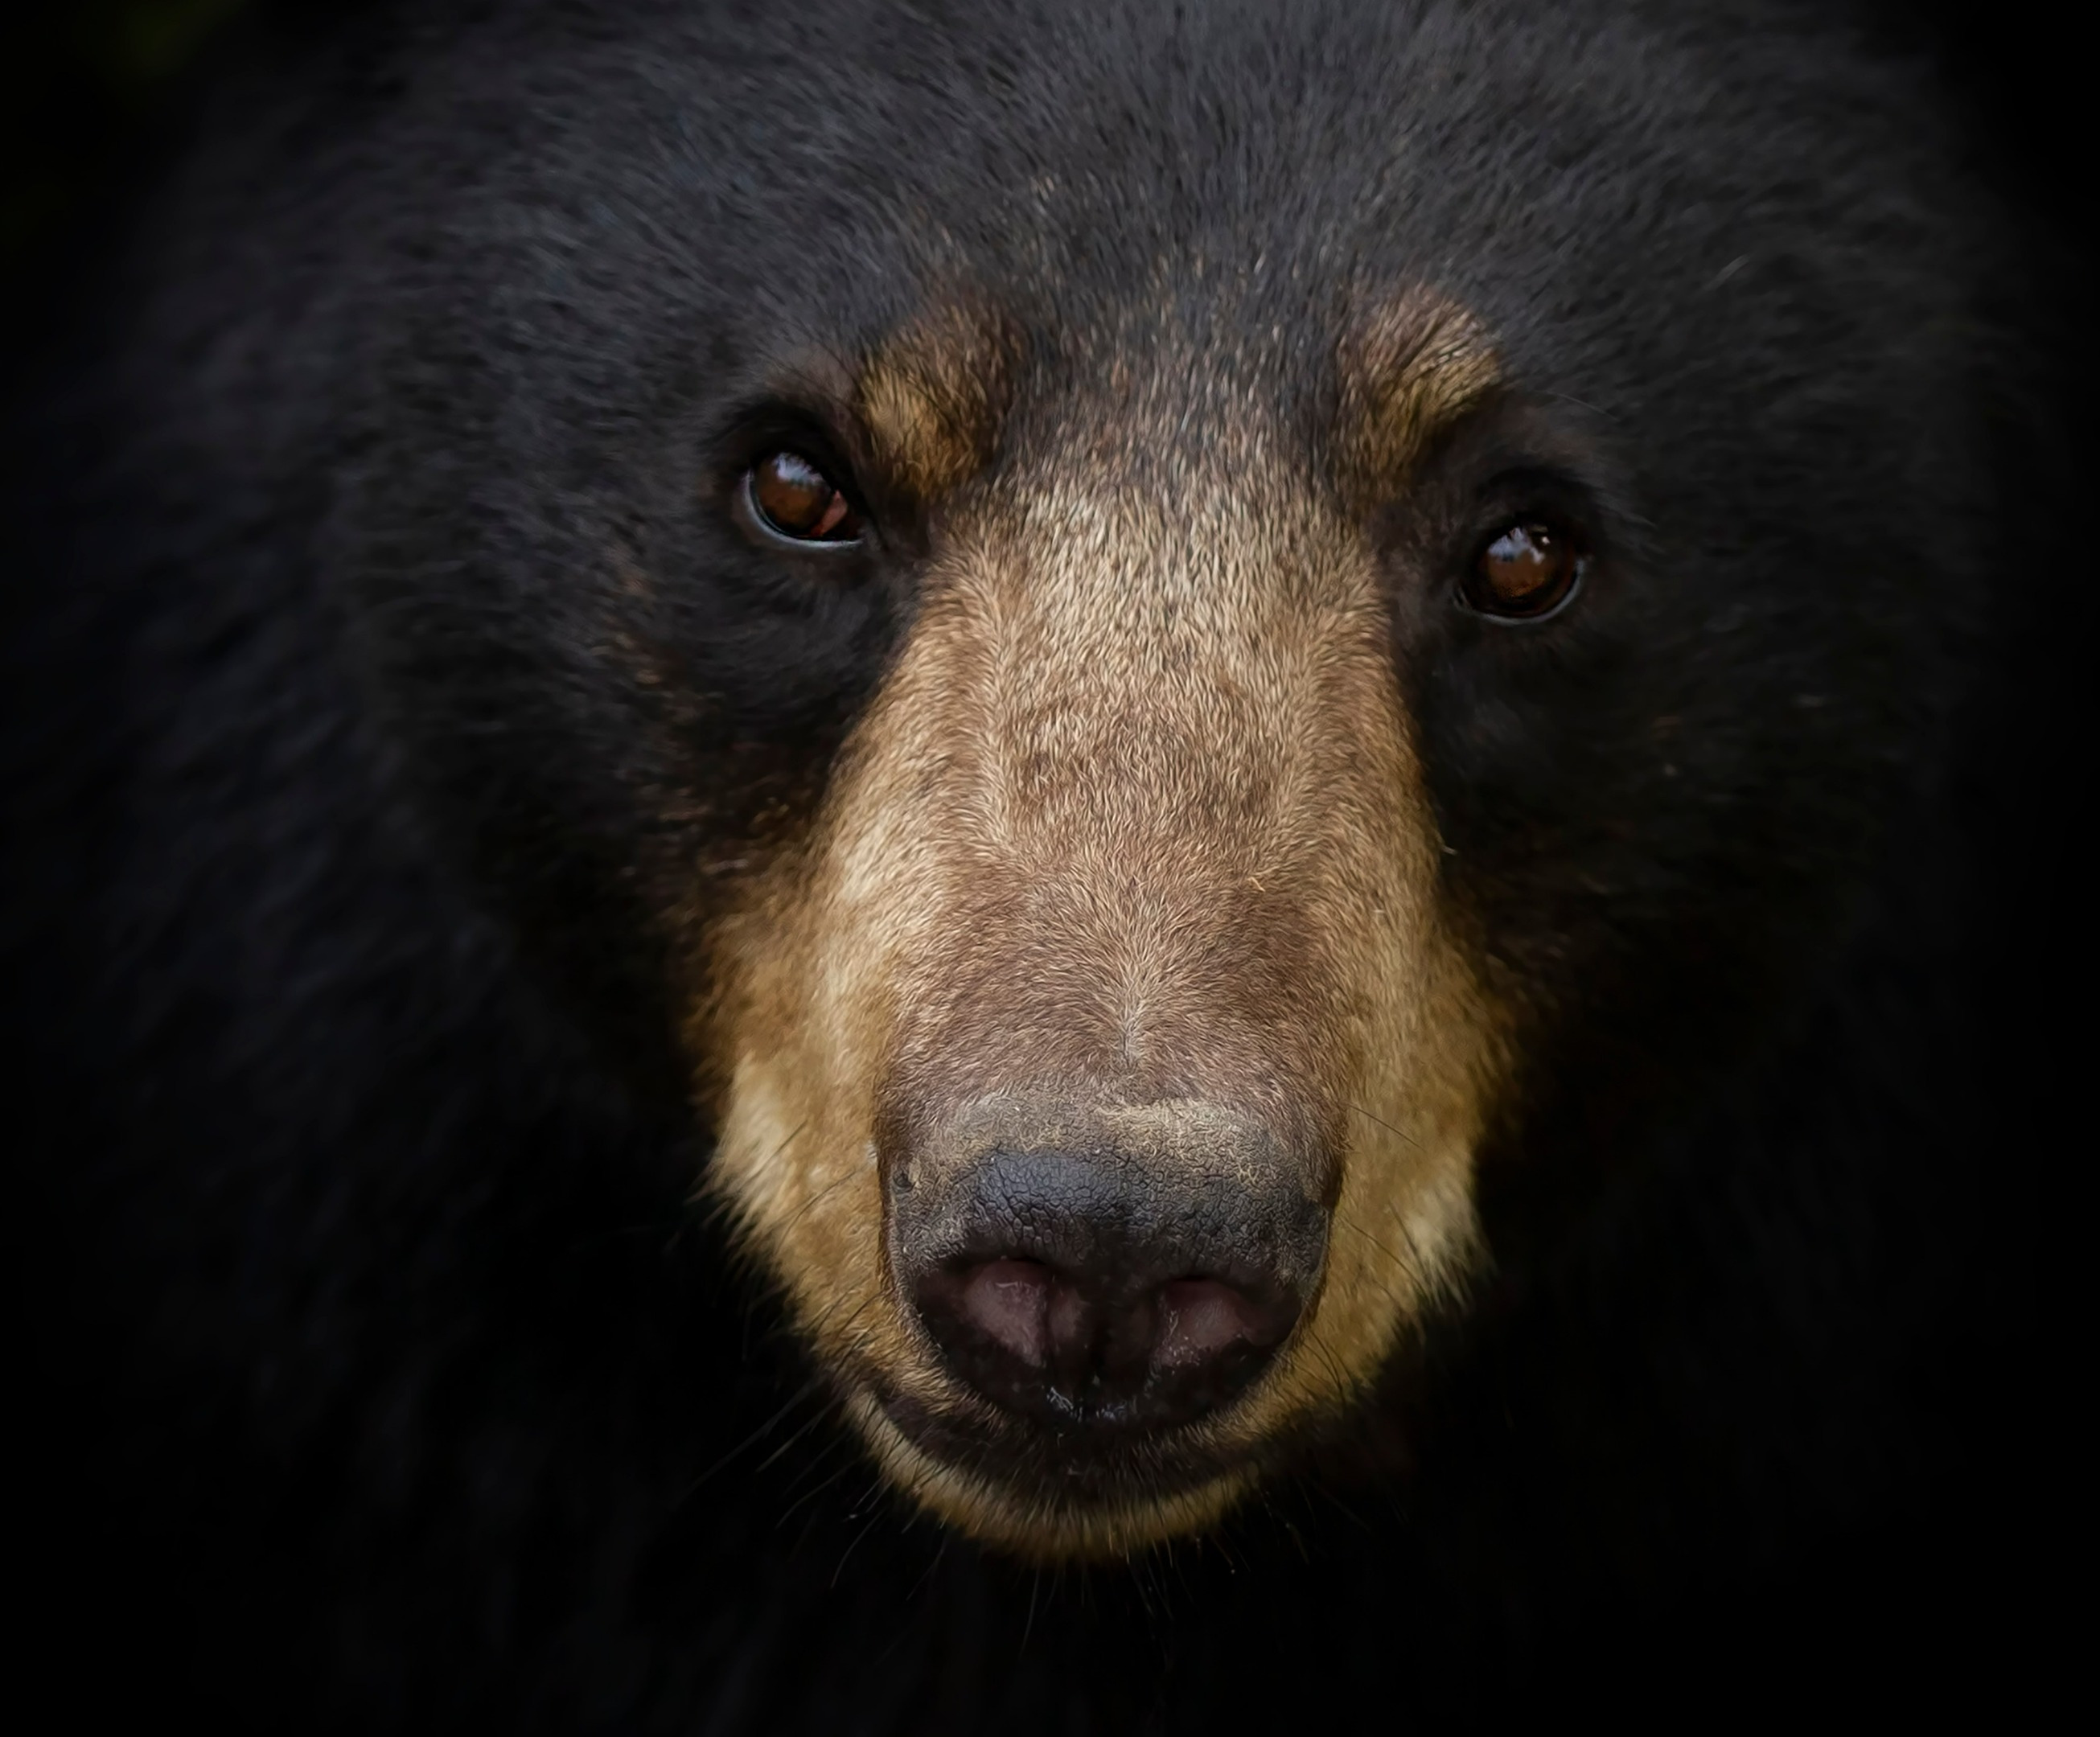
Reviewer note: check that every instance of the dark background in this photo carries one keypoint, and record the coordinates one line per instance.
(82, 83)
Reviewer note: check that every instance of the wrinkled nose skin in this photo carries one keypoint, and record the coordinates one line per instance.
(1123, 1270)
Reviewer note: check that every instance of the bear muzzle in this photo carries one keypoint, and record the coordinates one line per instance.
(1100, 1076)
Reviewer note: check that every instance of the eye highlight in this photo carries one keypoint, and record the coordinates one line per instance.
(789, 498)
(1528, 569)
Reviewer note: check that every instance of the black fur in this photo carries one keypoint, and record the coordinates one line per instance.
(377, 1374)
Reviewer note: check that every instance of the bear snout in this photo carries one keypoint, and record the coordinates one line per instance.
(1102, 1272)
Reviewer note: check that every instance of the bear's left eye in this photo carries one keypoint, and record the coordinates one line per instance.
(1527, 569)
(791, 498)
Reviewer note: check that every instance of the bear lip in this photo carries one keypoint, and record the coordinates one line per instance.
(1090, 1462)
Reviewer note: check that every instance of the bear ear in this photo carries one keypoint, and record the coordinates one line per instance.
(1409, 366)
(933, 397)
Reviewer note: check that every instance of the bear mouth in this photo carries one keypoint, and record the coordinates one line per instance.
(1039, 1486)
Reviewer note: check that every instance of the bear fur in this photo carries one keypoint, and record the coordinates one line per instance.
(381, 1370)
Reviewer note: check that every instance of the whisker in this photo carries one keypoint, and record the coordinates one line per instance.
(815, 1490)
(822, 1194)
(1389, 1128)
(1035, 1587)
(846, 1555)
(801, 1394)
(926, 1574)
(791, 1441)
(1412, 1269)
(701, 1192)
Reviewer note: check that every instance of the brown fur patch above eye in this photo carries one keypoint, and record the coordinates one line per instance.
(1409, 370)
(933, 397)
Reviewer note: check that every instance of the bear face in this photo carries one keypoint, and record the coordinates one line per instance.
(1136, 721)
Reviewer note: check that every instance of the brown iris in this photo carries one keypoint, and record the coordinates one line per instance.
(1528, 569)
(793, 499)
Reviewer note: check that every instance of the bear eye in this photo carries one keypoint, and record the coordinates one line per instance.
(791, 498)
(1527, 569)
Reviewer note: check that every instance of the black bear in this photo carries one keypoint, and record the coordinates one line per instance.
(983, 868)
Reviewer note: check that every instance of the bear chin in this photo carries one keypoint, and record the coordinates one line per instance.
(1092, 1508)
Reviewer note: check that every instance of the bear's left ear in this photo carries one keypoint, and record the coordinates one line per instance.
(933, 397)
(1408, 368)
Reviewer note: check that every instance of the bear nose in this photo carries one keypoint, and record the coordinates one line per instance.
(1090, 1289)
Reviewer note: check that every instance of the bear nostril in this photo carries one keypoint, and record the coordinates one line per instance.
(1008, 1302)
(1199, 1318)
(1101, 1343)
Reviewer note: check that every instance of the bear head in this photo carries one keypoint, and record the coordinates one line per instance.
(1136, 651)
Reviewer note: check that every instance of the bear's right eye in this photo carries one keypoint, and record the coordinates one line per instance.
(791, 498)
(1527, 569)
